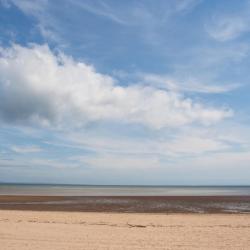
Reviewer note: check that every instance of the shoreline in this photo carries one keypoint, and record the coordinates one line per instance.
(129, 204)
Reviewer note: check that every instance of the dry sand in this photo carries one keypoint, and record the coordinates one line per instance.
(21, 230)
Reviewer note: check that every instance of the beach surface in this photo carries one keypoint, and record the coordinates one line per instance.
(129, 204)
(53, 230)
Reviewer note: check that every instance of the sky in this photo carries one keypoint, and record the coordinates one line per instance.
(152, 92)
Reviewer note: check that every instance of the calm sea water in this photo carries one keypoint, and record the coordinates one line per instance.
(85, 190)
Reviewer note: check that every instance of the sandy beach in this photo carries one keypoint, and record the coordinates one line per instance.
(170, 222)
(77, 230)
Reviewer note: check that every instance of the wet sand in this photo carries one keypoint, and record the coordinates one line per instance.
(25, 230)
(129, 204)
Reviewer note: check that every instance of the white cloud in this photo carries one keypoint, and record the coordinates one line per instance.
(37, 162)
(185, 148)
(38, 86)
(117, 162)
(189, 142)
(26, 149)
(194, 145)
(238, 162)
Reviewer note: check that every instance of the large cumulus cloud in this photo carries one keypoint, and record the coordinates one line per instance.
(37, 85)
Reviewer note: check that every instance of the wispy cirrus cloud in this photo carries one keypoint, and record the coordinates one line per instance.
(136, 13)
(229, 28)
(143, 17)
(25, 149)
(187, 85)
(227, 25)
(102, 9)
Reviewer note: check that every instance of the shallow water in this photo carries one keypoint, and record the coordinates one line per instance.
(86, 190)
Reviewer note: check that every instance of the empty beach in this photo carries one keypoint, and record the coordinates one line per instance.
(124, 222)
(74, 230)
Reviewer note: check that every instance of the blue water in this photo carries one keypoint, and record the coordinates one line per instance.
(87, 190)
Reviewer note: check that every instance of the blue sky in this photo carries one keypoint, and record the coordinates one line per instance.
(125, 92)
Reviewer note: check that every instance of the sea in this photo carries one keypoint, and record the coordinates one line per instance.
(117, 190)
